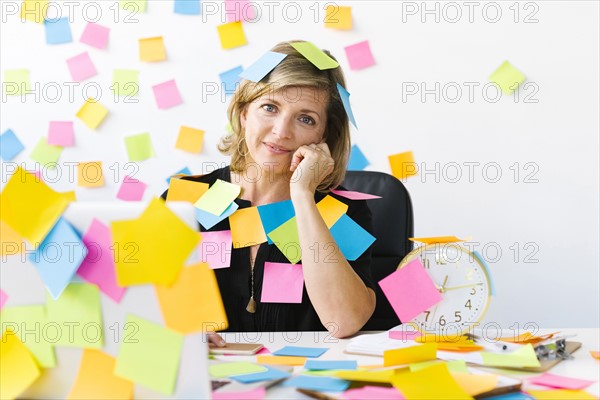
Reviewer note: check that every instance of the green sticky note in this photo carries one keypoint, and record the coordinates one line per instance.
(133, 5)
(125, 82)
(286, 239)
(31, 326)
(234, 368)
(523, 357)
(453, 366)
(218, 197)
(79, 315)
(149, 355)
(16, 82)
(45, 153)
(315, 55)
(507, 77)
(139, 147)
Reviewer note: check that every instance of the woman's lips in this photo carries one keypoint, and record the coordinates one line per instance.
(276, 149)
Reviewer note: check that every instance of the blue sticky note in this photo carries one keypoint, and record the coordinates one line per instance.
(269, 375)
(320, 383)
(274, 214)
(357, 161)
(351, 238)
(184, 171)
(300, 351)
(512, 396)
(263, 66)
(58, 257)
(230, 78)
(323, 365)
(187, 7)
(58, 31)
(208, 220)
(346, 101)
(10, 145)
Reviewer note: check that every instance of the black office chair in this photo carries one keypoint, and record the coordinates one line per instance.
(392, 226)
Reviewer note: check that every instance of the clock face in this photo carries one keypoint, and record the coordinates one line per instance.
(463, 282)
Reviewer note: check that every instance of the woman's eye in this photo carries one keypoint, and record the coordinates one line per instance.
(269, 107)
(307, 120)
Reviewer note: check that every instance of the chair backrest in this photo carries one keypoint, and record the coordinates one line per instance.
(392, 226)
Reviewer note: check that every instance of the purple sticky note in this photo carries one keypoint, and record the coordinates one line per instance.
(282, 283)
(131, 189)
(81, 67)
(166, 94)
(359, 55)
(240, 10)
(60, 133)
(373, 393)
(215, 249)
(410, 290)
(355, 195)
(98, 267)
(561, 382)
(3, 298)
(95, 35)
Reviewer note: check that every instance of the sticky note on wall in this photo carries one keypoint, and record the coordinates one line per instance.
(16, 82)
(89, 174)
(231, 35)
(92, 113)
(403, 165)
(152, 49)
(337, 17)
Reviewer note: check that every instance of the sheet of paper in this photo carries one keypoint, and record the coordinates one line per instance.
(345, 96)
(320, 383)
(95, 35)
(269, 374)
(186, 190)
(16, 82)
(61, 133)
(125, 82)
(263, 66)
(282, 283)
(246, 228)
(475, 384)
(404, 335)
(561, 394)
(208, 220)
(252, 394)
(296, 351)
(560, 382)
(331, 210)
(359, 55)
(58, 31)
(352, 239)
(280, 360)
(89, 174)
(337, 17)
(10, 145)
(231, 35)
(286, 239)
(349, 194)
(215, 249)
(230, 78)
(34, 10)
(240, 10)
(167, 95)
(323, 365)
(315, 55)
(410, 290)
(274, 214)
(18, 366)
(409, 355)
(152, 360)
(507, 77)
(81, 67)
(131, 189)
(373, 393)
(46, 154)
(190, 139)
(139, 147)
(403, 165)
(134, 6)
(187, 7)
(92, 113)
(523, 357)
(218, 197)
(418, 385)
(358, 161)
(152, 49)
(227, 369)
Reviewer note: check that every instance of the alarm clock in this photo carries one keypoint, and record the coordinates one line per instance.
(462, 278)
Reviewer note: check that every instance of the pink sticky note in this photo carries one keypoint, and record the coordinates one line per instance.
(3, 298)
(355, 195)
(264, 350)
(239, 10)
(215, 249)
(95, 35)
(404, 335)
(166, 94)
(98, 267)
(131, 189)
(81, 67)
(253, 394)
(282, 283)
(410, 290)
(60, 133)
(373, 393)
(359, 55)
(561, 382)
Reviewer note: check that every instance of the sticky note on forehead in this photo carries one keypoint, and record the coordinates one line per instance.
(263, 66)
(315, 55)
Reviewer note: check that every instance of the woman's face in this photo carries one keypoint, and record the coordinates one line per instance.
(278, 123)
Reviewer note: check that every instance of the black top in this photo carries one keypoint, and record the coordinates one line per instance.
(234, 282)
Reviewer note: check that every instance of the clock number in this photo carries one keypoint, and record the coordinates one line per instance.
(473, 291)
(468, 304)
(442, 321)
(457, 317)
(427, 316)
(426, 263)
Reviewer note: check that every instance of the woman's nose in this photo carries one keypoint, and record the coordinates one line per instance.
(283, 126)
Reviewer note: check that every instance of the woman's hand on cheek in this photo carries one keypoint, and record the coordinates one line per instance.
(311, 164)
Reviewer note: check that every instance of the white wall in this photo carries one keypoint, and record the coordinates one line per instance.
(553, 212)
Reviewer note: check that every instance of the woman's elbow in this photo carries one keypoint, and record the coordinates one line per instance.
(349, 326)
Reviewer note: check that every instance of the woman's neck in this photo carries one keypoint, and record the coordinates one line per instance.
(262, 189)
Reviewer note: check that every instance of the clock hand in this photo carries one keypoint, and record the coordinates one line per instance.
(442, 288)
(462, 286)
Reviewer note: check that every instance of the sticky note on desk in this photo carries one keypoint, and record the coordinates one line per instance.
(418, 385)
(186, 190)
(280, 360)
(46, 154)
(408, 355)
(58, 31)
(507, 77)
(95, 35)
(320, 383)
(561, 394)
(275, 214)
(246, 228)
(218, 197)
(139, 147)
(373, 393)
(152, 49)
(381, 376)
(92, 113)
(324, 365)
(96, 380)
(295, 351)
(81, 67)
(282, 283)
(315, 55)
(258, 393)
(337, 17)
(10, 145)
(352, 239)
(561, 382)
(269, 374)
(18, 366)
(231, 35)
(227, 369)
(523, 357)
(262, 66)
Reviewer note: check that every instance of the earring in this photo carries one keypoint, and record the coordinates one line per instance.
(242, 140)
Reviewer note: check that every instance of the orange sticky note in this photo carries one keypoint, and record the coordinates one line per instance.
(89, 174)
(232, 35)
(152, 49)
(280, 360)
(193, 303)
(246, 228)
(434, 382)
(475, 384)
(185, 190)
(190, 139)
(92, 113)
(11, 243)
(331, 209)
(403, 165)
(595, 354)
(408, 355)
(18, 367)
(96, 379)
(34, 10)
(337, 17)
(561, 394)
(437, 239)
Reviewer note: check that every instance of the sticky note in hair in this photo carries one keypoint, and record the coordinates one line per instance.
(345, 96)
(263, 66)
(315, 55)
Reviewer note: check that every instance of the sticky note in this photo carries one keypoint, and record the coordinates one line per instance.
(274, 214)
(595, 354)
(453, 366)
(139, 147)
(331, 210)
(560, 382)
(3, 298)
(323, 365)
(561, 394)
(58, 31)
(81, 67)
(218, 197)
(10, 145)
(18, 367)
(320, 383)
(98, 267)
(16, 82)
(79, 307)
(337, 17)
(131, 189)
(183, 171)
(92, 113)
(193, 301)
(190, 139)
(359, 55)
(349, 194)
(282, 283)
(134, 6)
(382, 376)
(11, 243)
(208, 220)
(246, 228)
(89, 174)
(410, 290)
(315, 55)
(437, 239)
(34, 10)
(358, 161)
(475, 384)
(186, 190)
(404, 335)
(403, 165)
(373, 393)
(152, 357)
(227, 369)
(345, 96)
(409, 355)
(60, 133)
(152, 49)
(280, 360)
(46, 154)
(125, 82)
(269, 374)
(230, 78)
(507, 77)
(187, 7)
(418, 385)
(296, 351)
(95, 35)
(352, 239)
(287, 241)
(231, 35)
(258, 393)
(166, 94)
(263, 66)
(240, 10)
(523, 357)
(215, 249)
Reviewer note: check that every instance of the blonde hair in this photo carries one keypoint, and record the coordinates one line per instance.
(294, 71)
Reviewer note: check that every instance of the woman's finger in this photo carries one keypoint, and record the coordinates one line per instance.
(215, 340)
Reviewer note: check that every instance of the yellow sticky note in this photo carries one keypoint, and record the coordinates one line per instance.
(152, 49)
(96, 380)
(408, 355)
(232, 35)
(315, 55)
(134, 6)
(89, 174)
(16, 82)
(595, 354)
(475, 384)
(403, 165)
(234, 368)
(383, 376)
(190, 139)
(92, 113)
(70, 196)
(434, 382)
(453, 366)
(46, 154)
(246, 228)
(523, 357)
(338, 17)
(139, 147)
(280, 360)
(507, 77)
(287, 241)
(193, 303)
(185, 190)
(18, 367)
(34, 10)
(11, 243)
(437, 239)
(218, 197)
(561, 394)
(331, 209)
